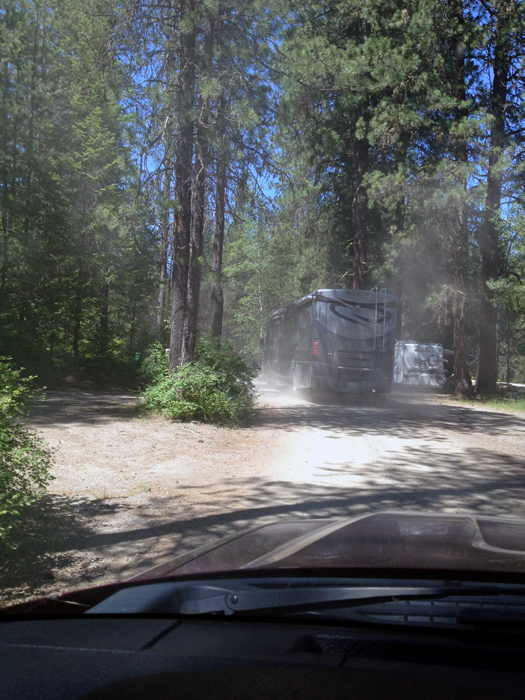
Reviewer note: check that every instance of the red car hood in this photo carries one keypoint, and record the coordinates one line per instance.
(386, 540)
(393, 543)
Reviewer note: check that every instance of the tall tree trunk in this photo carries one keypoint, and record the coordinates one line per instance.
(356, 169)
(104, 317)
(217, 295)
(4, 189)
(462, 380)
(399, 272)
(508, 374)
(31, 138)
(77, 313)
(360, 199)
(460, 252)
(183, 188)
(217, 292)
(490, 254)
(132, 327)
(9, 190)
(164, 239)
(196, 249)
(360, 210)
(199, 211)
(5, 250)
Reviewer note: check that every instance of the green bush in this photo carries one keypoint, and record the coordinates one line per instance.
(216, 388)
(24, 461)
(155, 365)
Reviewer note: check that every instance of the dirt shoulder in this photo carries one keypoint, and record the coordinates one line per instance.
(133, 490)
(129, 490)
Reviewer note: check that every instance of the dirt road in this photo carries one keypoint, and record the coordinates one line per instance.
(133, 490)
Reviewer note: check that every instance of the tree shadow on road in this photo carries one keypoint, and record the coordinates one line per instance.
(398, 416)
(65, 538)
(66, 542)
(43, 552)
(68, 407)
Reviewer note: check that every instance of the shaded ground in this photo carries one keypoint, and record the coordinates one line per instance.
(133, 490)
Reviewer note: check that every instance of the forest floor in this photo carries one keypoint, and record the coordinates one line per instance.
(132, 490)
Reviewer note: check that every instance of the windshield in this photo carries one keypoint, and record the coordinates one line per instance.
(262, 302)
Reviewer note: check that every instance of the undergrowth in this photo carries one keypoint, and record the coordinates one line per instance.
(499, 402)
(24, 460)
(503, 399)
(216, 388)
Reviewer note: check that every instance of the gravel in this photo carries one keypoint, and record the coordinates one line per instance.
(132, 490)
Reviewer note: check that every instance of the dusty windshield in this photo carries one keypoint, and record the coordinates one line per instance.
(259, 263)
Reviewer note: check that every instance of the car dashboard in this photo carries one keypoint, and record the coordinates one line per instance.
(219, 658)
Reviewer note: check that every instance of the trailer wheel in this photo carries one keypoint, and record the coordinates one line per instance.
(441, 379)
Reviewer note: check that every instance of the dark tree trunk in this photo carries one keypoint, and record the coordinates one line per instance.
(183, 187)
(508, 373)
(5, 218)
(217, 295)
(460, 252)
(196, 249)
(164, 240)
(77, 314)
(360, 212)
(199, 212)
(462, 380)
(360, 200)
(9, 190)
(5, 251)
(490, 253)
(399, 270)
(132, 326)
(179, 282)
(104, 317)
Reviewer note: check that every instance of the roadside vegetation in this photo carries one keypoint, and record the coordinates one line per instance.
(216, 387)
(507, 404)
(507, 398)
(500, 400)
(24, 459)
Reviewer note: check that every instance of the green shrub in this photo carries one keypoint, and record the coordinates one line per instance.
(155, 365)
(216, 388)
(24, 461)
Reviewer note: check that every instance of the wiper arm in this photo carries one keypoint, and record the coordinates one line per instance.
(293, 599)
(229, 597)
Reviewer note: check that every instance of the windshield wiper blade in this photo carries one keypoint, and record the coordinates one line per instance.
(293, 599)
(242, 597)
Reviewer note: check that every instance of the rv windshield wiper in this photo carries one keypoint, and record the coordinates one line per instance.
(241, 597)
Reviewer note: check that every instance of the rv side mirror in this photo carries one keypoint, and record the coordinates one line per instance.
(261, 343)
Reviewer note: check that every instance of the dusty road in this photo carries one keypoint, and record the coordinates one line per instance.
(134, 490)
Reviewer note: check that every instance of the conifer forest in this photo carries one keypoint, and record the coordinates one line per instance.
(178, 169)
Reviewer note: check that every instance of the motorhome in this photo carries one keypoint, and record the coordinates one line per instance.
(337, 340)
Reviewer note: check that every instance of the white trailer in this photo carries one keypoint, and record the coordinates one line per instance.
(419, 364)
